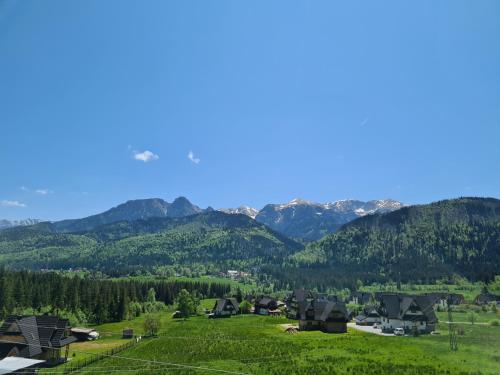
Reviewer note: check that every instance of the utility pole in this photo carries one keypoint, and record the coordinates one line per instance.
(452, 332)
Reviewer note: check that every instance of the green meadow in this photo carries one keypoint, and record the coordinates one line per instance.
(250, 344)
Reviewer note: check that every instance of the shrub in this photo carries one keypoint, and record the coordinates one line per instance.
(495, 323)
(245, 307)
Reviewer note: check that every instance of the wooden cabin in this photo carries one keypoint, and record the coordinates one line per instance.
(265, 304)
(225, 308)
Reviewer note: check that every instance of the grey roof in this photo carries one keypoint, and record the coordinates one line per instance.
(395, 306)
(11, 364)
(265, 301)
(39, 332)
(222, 303)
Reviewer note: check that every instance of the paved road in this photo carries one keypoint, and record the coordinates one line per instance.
(369, 329)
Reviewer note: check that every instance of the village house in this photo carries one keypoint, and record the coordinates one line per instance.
(360, 298)
(368, 317)
(487, 298)
(407, 312)
(264, 304)
(442, 300)
(326, 314)
(224, 308)
(37, 337)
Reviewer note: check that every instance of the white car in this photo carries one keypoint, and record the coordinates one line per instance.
(399, 332)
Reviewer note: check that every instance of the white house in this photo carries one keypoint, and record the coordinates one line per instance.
(407, 312)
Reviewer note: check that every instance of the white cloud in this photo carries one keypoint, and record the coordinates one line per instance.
(145, 156)
(24, 188)
(12, 204)
(43, 191)
(192, 158)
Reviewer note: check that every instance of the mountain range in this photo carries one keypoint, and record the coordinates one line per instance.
(300, 219)
(413, 243)
(310, 221)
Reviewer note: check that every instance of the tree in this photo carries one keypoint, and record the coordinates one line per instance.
(239, 295)
(184, 303)
(151, 295)
(152, 324)
(472, 317)
(245, 307)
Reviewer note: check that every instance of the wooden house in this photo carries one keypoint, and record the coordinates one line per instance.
(43, 337)
(407, 312)
(225, 307)
(265, 304)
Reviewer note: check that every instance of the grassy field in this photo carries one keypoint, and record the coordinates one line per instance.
(259, 345)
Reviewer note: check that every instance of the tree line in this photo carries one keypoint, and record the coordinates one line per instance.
(90, 300)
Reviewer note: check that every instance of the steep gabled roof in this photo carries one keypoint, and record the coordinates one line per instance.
(39, 332)
(222, 303)
(395, 306)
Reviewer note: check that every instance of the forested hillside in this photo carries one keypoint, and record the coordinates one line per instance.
(210, 242)
(422, 242)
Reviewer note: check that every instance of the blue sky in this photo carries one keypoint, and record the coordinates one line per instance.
(271, 100)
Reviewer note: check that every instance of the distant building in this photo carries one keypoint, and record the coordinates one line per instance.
(442, 300)
(487, 298)
(265, 304)
(38, 337)
(225, 307)
(85, 334)
(368, 317)
(407, 312)
(360, 298)
(128, 333)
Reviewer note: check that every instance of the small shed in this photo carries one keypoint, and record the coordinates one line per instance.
(128, 333)
(85, 334)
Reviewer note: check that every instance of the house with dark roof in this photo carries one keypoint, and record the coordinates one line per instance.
(314, 312)
(407, 312)
(265, 304)
(38, 337)
(225, 307)
(487, 298)
(360, 298)
(442, 300)
(368, 317)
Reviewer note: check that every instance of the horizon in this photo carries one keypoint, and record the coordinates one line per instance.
(234, 104)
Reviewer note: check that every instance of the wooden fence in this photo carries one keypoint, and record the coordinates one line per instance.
(72, 367)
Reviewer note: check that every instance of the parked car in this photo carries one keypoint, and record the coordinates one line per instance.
(399, 332)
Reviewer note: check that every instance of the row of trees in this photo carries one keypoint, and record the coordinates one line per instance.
(91, 300)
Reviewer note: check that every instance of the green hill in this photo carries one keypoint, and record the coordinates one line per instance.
(211, 240)
(415, 242)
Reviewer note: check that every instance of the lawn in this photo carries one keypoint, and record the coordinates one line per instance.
(259, 345)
